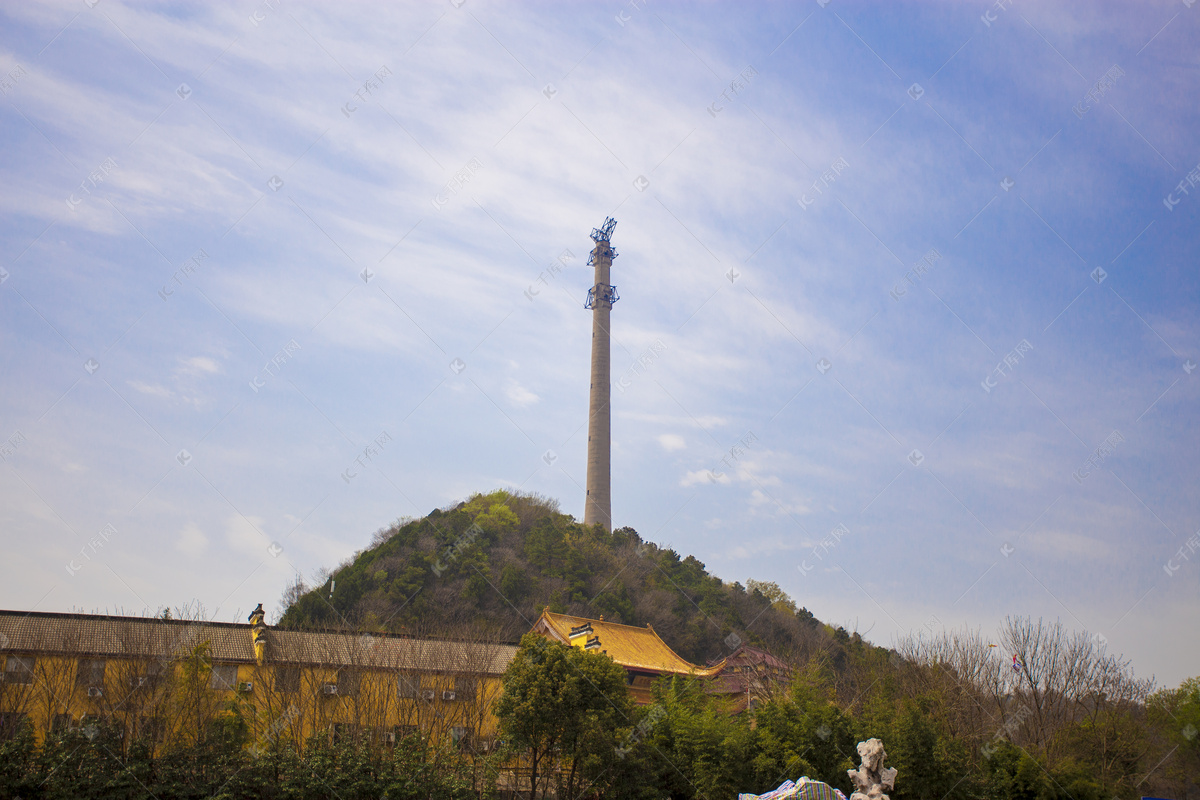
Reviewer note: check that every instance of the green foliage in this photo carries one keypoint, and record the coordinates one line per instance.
(89, 764)
(440, 573)
(933, 762)
(777, 597)
(564, 707)
(1013, 774)
(20, 763)
(1182, 708)
(694, 746)
(1174, 718)
(514, 583)
(804, 733)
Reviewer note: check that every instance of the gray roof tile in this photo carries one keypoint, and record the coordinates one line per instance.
(147, 637)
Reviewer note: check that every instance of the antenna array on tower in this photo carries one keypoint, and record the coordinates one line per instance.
(603, 233)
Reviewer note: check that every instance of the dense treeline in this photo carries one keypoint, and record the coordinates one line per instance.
(95, 762)
(524, 555)
(1070, 724)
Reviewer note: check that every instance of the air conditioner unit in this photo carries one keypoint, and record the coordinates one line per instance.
(329, 688)
(485, 745)
(428, 694)
(95, 691)
(389, 737)
(246, 686)
(447, 695)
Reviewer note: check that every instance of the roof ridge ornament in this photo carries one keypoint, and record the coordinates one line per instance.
(258, 634)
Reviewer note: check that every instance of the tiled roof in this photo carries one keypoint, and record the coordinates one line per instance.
(749, 668)
(145, 637)
(632, 648)
(748, 655)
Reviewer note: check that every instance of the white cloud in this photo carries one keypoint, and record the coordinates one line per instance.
(776, 505)
(197, 365)
(704, 420)
(703, 476)
(769, 547)
(671, 442)
(1069, 545)
(152, 389)
(518, 395)
(192, 541)
(246, 535)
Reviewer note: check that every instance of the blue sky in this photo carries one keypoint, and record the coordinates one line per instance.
(908, 316)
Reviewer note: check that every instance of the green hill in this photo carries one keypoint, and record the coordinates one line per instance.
(491, 564)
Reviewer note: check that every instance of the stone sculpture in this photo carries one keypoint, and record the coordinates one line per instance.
(871, 778)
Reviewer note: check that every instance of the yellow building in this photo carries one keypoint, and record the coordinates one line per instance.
(644, 655)
(166, 680)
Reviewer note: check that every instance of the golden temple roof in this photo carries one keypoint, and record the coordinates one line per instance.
(631, 647)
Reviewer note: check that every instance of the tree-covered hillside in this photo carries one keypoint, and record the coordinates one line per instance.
(494, 562)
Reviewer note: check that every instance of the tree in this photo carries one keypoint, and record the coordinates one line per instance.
(291, 595)
(564, 709)
(693, 745)
(804, 733)
(1175, 719)
(778, 597)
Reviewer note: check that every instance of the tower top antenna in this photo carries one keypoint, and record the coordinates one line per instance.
(601, 237)
(603, 233)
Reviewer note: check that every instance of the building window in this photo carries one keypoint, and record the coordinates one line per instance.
(408, 686)
(406, 731)
(151, 676)
(18, 669)
(224, 677)
(11, 722)
(465, 688)
(150, 728)
(90, 673)
(348, 681)
(287, 679)
(148, 679)
(345, 732)
(460, 736)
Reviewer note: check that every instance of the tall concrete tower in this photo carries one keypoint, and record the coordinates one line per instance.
(600, 299)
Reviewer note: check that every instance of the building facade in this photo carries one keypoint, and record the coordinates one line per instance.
(165, 680)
